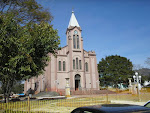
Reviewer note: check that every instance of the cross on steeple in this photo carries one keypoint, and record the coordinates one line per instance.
(72, 10)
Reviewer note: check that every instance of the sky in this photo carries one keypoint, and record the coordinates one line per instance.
(109, 27)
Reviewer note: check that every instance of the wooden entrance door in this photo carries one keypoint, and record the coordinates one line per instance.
(77, 82)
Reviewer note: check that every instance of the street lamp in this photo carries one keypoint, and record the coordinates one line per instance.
(134, 78)
(137, 81)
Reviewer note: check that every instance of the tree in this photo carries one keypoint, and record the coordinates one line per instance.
(26, 40)
(148, 61)
(114, 69)
(18, 87)
(25, 11)
(137, 66)
(24, 50)
(145, 73)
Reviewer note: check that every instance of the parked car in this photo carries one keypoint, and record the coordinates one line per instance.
(113, 108)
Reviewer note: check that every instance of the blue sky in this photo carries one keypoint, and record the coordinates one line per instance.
(109, 27)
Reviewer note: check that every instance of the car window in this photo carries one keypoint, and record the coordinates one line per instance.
(147, 105)
(92, 111)
(85, 111)
(88, 112)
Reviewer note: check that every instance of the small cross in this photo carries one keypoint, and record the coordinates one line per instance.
(72, 10)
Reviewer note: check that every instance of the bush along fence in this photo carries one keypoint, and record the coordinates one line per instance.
(66, 105)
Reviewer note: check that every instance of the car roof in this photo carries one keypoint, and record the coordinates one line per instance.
(117, 108)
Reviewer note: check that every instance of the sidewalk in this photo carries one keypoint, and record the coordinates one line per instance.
(127, 102)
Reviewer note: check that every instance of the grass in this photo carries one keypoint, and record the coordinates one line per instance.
(65, 105)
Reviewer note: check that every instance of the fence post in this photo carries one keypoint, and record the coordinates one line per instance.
(107, 97)
(7, 107)
(28, 104)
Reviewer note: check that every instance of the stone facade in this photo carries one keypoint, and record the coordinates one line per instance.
(72, 62)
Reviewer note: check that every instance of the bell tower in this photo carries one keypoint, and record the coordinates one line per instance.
(75, 54)
(73, 33)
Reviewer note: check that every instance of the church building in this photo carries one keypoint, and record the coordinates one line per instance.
(72, 62)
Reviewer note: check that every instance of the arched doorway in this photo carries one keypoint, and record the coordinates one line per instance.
(77, 82)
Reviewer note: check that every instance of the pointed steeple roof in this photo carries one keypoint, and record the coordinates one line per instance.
(73, 21)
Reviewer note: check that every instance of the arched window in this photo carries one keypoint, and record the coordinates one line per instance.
(64, 66)
(86, 66)
(76, 63)
(73, 64)
(80, 64)
(59, 65)
(74, 42)
(78, 42)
